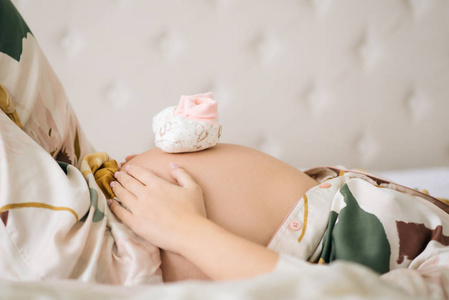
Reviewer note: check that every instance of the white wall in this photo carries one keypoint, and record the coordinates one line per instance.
(358, 83)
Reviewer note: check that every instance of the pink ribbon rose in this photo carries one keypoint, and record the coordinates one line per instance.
(199, 107)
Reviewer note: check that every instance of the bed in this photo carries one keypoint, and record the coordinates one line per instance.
(359, 84)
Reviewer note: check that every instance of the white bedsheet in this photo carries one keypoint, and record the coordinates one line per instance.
(435, 180)
(303, 281)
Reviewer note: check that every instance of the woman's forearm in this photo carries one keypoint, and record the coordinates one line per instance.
(221, 254)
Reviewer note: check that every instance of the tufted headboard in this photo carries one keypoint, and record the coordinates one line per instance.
(312, 82)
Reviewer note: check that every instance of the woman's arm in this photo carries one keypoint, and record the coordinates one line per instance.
(173, 217)
(223, 255)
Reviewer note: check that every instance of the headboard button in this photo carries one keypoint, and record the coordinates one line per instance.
(370, 51)
(318, 98)
(117, 95)
(71, 42)
(367, 148)
(169, 44)
(417, 104)
(266, 47)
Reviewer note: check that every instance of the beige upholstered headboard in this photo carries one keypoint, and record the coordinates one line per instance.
(360, 83)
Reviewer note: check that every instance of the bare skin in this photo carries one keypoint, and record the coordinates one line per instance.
(245, 191)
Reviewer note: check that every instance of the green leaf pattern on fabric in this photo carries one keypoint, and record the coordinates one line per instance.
(356, 235)
(63, 166)
(98, 214)
(13, 30)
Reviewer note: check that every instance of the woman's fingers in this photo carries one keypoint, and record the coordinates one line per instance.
(122, 213)
(182, 177)
(129, 182)
(144, 175)
(124, 195)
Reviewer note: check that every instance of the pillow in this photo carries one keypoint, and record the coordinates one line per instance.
(32, 95)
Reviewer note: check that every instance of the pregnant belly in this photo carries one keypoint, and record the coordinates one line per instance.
(245, 191)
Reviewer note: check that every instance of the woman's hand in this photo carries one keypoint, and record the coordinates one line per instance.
(173, 217)
(157, 210)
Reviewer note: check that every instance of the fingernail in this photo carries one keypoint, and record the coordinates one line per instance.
(113, 183)
(127, 168)
(116, 174)
(174, 165)
(109, 202)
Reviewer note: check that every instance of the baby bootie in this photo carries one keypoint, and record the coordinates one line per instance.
(190, 126)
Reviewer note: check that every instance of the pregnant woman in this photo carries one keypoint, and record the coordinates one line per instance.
(227, 212)
(215, 215)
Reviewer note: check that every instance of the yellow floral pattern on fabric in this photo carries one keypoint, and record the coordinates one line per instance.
(103, 168)
(8, 107)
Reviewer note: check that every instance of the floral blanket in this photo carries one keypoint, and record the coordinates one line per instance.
(56, 223)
